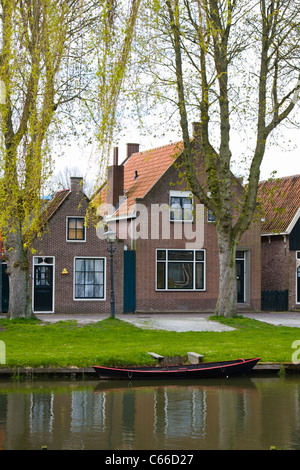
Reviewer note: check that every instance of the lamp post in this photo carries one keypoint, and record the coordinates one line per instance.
(110, 237)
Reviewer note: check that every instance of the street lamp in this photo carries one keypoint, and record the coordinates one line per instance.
(111, 237)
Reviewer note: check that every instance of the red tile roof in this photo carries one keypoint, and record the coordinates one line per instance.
(141, 171)
(54, 203)
(280, 199)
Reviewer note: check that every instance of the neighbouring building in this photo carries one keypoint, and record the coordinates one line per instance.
(280, 241)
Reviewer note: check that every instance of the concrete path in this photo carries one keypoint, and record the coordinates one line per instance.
(179, 321)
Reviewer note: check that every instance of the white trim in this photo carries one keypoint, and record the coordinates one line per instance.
(67, 225)
(104, 280)
(297, 266)
(53, 283)
(194, 261)
(294, 221)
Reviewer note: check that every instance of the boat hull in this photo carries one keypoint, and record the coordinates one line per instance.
(190, 371)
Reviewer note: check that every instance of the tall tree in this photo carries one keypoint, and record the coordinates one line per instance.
(233, 61)
(40, 38)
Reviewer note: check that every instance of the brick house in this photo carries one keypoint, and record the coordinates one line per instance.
(70, 269)
(280, 237)
(170, 245)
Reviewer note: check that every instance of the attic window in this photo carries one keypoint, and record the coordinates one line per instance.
(75, 229)
(181, 206)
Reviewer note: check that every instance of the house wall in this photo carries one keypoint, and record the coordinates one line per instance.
(149, 299)
(278, 266)
(53, 243)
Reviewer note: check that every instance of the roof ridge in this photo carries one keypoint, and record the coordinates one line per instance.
(152, 150)
(280, 178)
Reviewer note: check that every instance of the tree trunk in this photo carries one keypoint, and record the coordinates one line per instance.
(227, 300)
(18, 273)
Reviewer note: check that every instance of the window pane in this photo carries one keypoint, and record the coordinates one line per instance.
(161, 276)
(99, 264)
(79, 278)
(72, 223)
(239, 254)
(80, 234)
(187, 208)
(89, 278)
(89, 265)
(98, 278)
(200, 255)
(180, 255)
(89, 292)
(72, 234)
(99, 292)
(199, 276)
(79, 265)
(180, 275)
(176, 209)
(79, 292)
(161, 254)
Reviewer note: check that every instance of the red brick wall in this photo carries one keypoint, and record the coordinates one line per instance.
(53, 243)
(148, 299)
(278, 266)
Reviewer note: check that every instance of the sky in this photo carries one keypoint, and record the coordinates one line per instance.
(283, 156)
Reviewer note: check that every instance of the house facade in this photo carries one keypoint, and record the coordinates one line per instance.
(70, 267)
(171, 237)
(280, 238)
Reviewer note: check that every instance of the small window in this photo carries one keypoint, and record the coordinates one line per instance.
(181, 206)
(75, 229)
(210, 216)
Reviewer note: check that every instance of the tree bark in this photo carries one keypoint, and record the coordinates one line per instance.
(18, 272)
(227, 298)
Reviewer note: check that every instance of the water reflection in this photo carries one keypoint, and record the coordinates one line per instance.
(247, 413)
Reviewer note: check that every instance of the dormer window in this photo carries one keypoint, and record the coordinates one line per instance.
(75, 229)
(181, 206)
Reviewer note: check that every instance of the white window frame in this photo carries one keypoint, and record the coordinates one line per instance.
(181, 194)
(89, 299)
(194, 261)
(67, 228)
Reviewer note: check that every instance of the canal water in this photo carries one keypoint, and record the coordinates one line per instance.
(254, 413)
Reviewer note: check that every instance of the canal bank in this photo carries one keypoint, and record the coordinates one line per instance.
(30, 373)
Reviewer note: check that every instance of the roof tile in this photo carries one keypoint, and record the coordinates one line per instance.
(280, 199)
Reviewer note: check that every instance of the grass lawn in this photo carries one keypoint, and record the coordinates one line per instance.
(32, 343)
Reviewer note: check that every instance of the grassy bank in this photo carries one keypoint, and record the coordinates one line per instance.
(112, 341)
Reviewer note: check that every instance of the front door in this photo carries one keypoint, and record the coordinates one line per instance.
(298, 285)
(240, 276)
(43, 286)
(129, 281)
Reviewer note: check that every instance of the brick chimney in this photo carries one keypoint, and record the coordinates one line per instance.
(76, 183)
(115, 180)
(132, 148)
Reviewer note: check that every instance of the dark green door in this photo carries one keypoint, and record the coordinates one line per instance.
(240, 279)
(298, 284)
(129, 281)
(43, 288)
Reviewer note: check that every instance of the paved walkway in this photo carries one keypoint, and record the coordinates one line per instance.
(180, 322)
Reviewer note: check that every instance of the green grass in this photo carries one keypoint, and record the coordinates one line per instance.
(31, 343)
